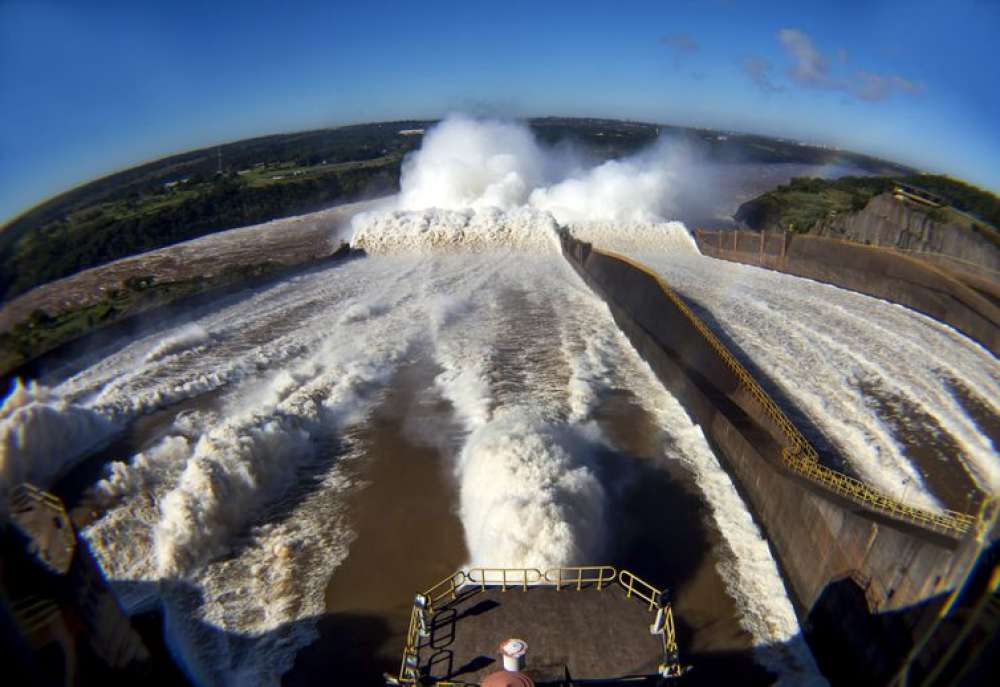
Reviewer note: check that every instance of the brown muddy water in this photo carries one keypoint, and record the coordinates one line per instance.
(408, 536)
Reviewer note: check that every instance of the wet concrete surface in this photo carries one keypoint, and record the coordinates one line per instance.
(559, 627)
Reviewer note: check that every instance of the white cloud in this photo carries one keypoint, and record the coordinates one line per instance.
(758, 70)
(810, 67)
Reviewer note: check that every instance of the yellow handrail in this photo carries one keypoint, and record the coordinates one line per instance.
(513, 577)
(573, 577)
(446, 587)
(639, 587)
(410, 675)
(860, 492)
(798, 454)
(600, 575)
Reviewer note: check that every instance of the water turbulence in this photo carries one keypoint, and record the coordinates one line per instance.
(232, 515)
(528, 498)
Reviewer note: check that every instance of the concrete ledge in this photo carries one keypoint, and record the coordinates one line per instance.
(818, 539)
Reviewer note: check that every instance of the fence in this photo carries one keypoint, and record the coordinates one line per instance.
(576, 578)
(798, 455)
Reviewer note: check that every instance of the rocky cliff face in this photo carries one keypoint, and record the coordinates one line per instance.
(886, 221)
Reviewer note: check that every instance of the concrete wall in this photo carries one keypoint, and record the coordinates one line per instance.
(881, 272)
(887, 221)
(89, 637)
(818, 538)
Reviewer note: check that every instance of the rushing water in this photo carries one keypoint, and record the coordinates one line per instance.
(281, 470)
(237, 506)
(899, 396)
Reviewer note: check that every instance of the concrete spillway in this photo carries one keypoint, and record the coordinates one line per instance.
(822, 530)
(266, 433)
(912, 280)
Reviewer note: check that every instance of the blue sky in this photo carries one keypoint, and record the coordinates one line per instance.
(89, 87)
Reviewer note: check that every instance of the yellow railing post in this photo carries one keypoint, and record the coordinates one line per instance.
(798, 454)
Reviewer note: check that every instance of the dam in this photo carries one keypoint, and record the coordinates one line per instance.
(490, 382)
(826, 527)
(513, 394)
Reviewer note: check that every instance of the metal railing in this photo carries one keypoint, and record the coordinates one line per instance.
(25, 494)
(635, 586)
(448, 587)
(798, 454)
(579, 576)
(948, 521)
(576, 578)
(505, 578)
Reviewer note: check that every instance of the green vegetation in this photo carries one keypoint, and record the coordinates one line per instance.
(800, 204)
(161, 217)
(185, 196)
(43, 332)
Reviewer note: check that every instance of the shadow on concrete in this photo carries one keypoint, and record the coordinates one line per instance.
(848, 640)
(855, 644)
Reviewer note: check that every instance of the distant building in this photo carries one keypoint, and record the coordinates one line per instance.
(411, 132)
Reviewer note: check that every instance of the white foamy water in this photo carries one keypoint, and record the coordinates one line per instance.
(239, 505)
(437, 231)
(745, 561)
(830, 350)
(233, 515)
(529, 495)
(532, 467)
(40, 432)
(637, 237)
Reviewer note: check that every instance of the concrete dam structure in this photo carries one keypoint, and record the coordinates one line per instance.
(965, 300)
(870, 576)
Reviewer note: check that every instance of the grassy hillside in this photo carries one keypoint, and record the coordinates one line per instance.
(185, 196)
(800, 204)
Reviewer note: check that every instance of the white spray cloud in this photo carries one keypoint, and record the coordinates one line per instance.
(528, 498)
(641, 188)
(479, 184)
(464, 163)
(41, 435)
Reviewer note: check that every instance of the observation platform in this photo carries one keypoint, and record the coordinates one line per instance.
(589, 624)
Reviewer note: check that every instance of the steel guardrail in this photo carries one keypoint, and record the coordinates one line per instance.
(445, 588)
(576, 578)
(634, 585)
(509, 578)
(584, 575)
(798, 454)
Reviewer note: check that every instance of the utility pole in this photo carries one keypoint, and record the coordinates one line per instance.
(219, 153)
